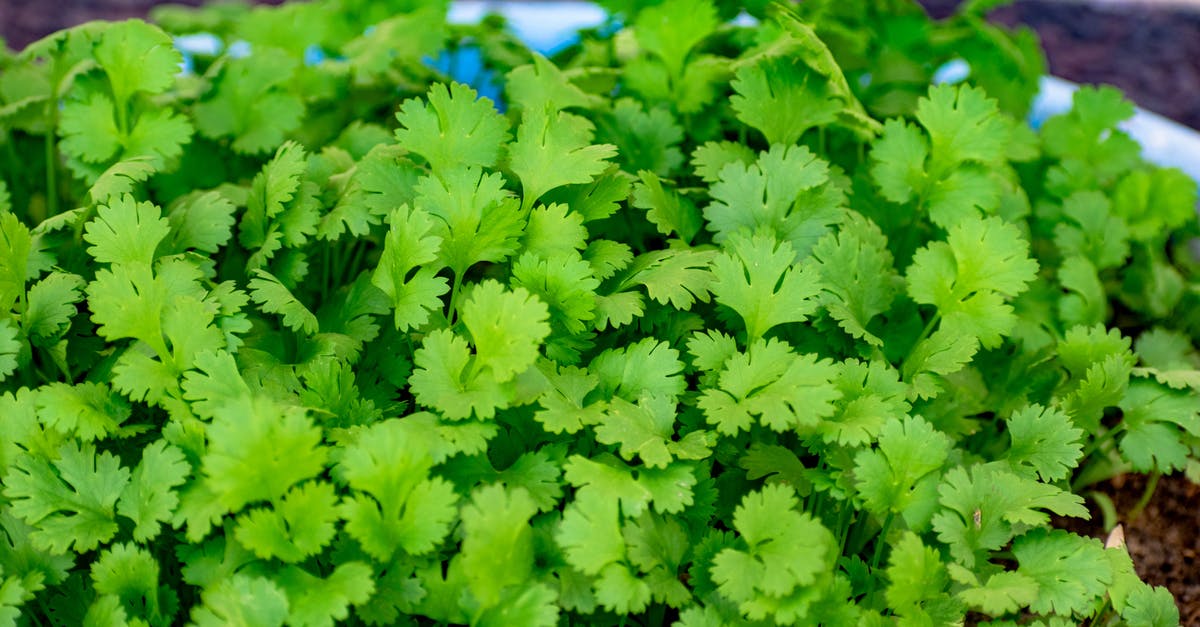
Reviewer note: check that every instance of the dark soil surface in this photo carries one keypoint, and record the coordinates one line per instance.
(1153, 54)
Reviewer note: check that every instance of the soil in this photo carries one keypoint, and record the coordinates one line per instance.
(1152, 53)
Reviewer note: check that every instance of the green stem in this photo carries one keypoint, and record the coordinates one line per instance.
(878, 553)
(1147, 494)
(1102, 440)
(452, 311)
(51, 176)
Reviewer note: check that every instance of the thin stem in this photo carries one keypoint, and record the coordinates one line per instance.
(452, 312)
(1102, 440)
(51, 176)
(1147, 494)
(878, 553)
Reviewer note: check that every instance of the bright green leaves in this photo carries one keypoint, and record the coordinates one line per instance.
(251, 104)
(671, 30)
(985, 506)
(396, 505)
(857, 276)
(759, 279)
(783, 98)
(150, 497)
(1086, 138)
(455, 129)
(89, 411)
(1070, 571)
(554, 148)
(274, 297)
(917, 584)
(405, 272)
(137, 57)
(1044, 441)
(130, 574)
(498, 559)
(507, 329)
(969, 278)
(299, 524)
(896, 478)
(786, 553)
(787, 192)
(947, 169)
(771, 384)
(475, 217)
(1154, 422)
(71, 499)
(258, 449)
(646, 429)
(126, 231)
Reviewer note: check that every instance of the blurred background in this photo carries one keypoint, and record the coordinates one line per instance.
(1148, 48)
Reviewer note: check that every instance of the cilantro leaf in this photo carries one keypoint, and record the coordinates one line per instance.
(257, 450)
(1071, 572)
(457, 128)
(787, 192)
(126, 231)
(150, 498)
(771, 383)
(783, 98)
(1045, 441)
(552, 149)
(299, 524)
(759, 279)
(69, 499)
(396, 504)
(405, 272)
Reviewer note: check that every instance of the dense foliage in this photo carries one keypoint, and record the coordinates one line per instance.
(698, 323)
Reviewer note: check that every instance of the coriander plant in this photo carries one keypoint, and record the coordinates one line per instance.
(694, 323)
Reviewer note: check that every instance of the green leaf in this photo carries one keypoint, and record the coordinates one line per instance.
(405, 272)
(1045, 441)
(131, 574)
(258, 449)
(137, 57)
(783, 390)
(250, 102)
(759, 279)
(126, 231)
(857, 275)
(88, 410)
(1072, 572)
(888, 478)
(475, 217)
(396, 505)
(150, 497)
(275, 297)
(783, 98)
(554, 148)
(787, 192)
(457, 128)
(785, 549)
(316, 602)
(506, 327)
(497, 551)
(672, 29)
(298, 526)
(69, 500)
(242, 599)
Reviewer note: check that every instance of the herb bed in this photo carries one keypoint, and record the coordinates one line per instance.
(712, 324)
